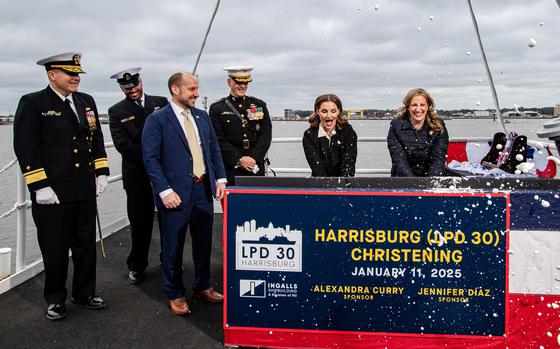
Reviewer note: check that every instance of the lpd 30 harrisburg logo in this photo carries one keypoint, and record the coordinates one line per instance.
(267, 248)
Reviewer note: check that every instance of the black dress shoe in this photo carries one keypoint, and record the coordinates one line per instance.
(135, 277)
(56, 312)
(92, 302)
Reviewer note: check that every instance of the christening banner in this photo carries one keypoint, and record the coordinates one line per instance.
(432, 263)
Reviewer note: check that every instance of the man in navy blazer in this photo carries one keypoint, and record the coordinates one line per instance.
(183, 161)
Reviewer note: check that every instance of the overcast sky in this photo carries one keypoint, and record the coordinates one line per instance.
(370, 53)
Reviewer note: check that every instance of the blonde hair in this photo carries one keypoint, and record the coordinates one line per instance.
(433, 120)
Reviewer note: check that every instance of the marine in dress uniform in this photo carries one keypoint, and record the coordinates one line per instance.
(243, 127)
(126, 120)
(59, 146)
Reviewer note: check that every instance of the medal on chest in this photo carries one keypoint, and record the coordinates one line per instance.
(91, 120)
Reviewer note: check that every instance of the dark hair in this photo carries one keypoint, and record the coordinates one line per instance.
(433, 120)
(174, 80)
(314, 119)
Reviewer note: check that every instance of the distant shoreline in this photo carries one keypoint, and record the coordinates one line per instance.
(542, 117)
(6, 120)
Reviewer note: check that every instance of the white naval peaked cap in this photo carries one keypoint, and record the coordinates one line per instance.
(240, 73)
(128, 78)
(68, 61)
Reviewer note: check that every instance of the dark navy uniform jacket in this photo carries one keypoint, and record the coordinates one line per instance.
(336, 158)
(126, 121)
(54, 149)
(416, 153)
(249, 136)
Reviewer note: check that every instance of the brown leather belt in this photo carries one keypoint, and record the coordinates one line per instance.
(198, 179)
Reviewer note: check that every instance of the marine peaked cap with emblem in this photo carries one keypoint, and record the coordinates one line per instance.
(69, 62)
(240, 74)
(128, 78)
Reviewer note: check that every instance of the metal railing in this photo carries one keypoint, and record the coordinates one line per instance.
(22, 203)
(20, 207)
(383, 171)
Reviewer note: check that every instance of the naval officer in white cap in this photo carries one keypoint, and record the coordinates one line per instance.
(126, 121)
(242, 125)
(60, 150)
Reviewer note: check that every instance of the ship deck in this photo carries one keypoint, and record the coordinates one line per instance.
(136, 316)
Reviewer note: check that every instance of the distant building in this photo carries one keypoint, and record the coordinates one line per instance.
(509, 114)
(289, 114)
(557, 110)
(6, 120)
(531, 114)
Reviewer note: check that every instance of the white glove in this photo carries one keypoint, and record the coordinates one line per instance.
(46, 196)
(100, 184)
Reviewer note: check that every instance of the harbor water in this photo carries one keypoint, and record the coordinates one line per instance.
(112, 203)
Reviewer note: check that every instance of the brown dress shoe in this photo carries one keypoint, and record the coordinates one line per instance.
(209, 295)
(179, 306)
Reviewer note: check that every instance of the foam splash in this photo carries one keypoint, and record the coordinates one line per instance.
(524, 167)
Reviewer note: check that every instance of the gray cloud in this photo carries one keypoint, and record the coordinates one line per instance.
(369, 56)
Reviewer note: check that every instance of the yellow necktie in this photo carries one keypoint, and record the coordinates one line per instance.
(194, 146)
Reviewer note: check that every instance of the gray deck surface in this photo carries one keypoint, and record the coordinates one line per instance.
(136, 316)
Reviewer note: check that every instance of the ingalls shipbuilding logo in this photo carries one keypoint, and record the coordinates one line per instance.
(263, 289)
(267, 248)
(252, 288)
